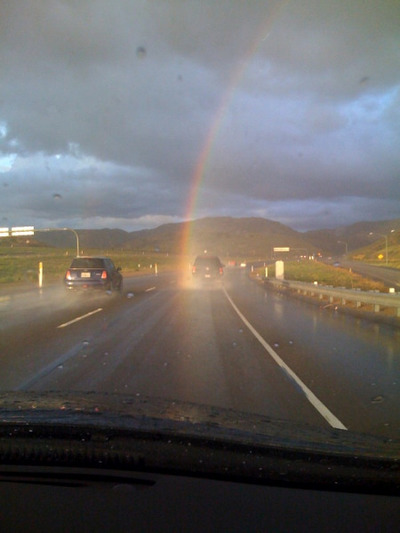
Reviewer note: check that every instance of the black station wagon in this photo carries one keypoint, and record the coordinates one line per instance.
(93, 273)
(207, 267)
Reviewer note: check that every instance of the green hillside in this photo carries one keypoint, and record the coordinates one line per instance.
(224, 236)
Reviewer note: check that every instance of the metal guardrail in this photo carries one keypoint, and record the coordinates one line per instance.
(377, 300)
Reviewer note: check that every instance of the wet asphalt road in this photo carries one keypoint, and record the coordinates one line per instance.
(389, 276)
(232, 345)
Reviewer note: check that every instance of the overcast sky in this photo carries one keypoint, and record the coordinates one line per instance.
(112, 111)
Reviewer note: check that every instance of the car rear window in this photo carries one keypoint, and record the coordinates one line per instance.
(87, 262)
(203, 261)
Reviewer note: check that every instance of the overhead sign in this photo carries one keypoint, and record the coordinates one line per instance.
(17, 231)
(282, 249)
(20, 231)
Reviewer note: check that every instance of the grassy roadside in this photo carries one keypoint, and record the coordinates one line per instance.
(375, 253)
(311, 271)
(20, 265)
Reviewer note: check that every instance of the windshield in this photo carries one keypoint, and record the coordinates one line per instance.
(207, 261)
(262, 136)
(88, 262)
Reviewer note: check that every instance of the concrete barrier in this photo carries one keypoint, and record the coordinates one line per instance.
(342, 295)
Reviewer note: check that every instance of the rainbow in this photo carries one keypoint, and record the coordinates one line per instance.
(227, 97)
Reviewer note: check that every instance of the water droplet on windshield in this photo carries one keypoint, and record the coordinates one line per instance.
(60, 367)
(57, 196)
(130, 295)
(378, 399)
(85, 343)
(141, 52)
(276, 345)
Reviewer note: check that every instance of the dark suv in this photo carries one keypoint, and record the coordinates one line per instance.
(93, 273)
(207, 267)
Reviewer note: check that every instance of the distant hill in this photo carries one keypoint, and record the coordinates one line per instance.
(351, 237)
(88, 238)
(227, 237)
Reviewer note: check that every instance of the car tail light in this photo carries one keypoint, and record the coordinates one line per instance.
(221, 270)
(104, 274)
(193, 270)
(68, 275)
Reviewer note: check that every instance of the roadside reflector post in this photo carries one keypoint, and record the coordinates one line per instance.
(40, 274)
(279, 270)
(266, 272)
(156, 269)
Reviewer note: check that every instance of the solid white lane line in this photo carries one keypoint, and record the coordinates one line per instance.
(150, 289)
(315, 402)
(80, 318)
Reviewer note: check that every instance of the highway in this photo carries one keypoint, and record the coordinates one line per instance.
(232, 345)
(389, 276)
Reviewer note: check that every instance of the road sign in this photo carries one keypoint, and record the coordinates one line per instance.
(17, 231)
(20, 231)
(282, 249)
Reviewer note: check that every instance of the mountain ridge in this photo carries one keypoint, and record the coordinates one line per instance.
(248, 236)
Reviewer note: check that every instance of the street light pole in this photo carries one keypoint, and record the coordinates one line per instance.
(20, 231)
(65, 229)
(347, 246)
(77, 239)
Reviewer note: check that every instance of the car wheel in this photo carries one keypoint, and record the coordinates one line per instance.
(109, 289)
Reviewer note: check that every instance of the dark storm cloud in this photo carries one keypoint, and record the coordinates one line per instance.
(106, 107)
